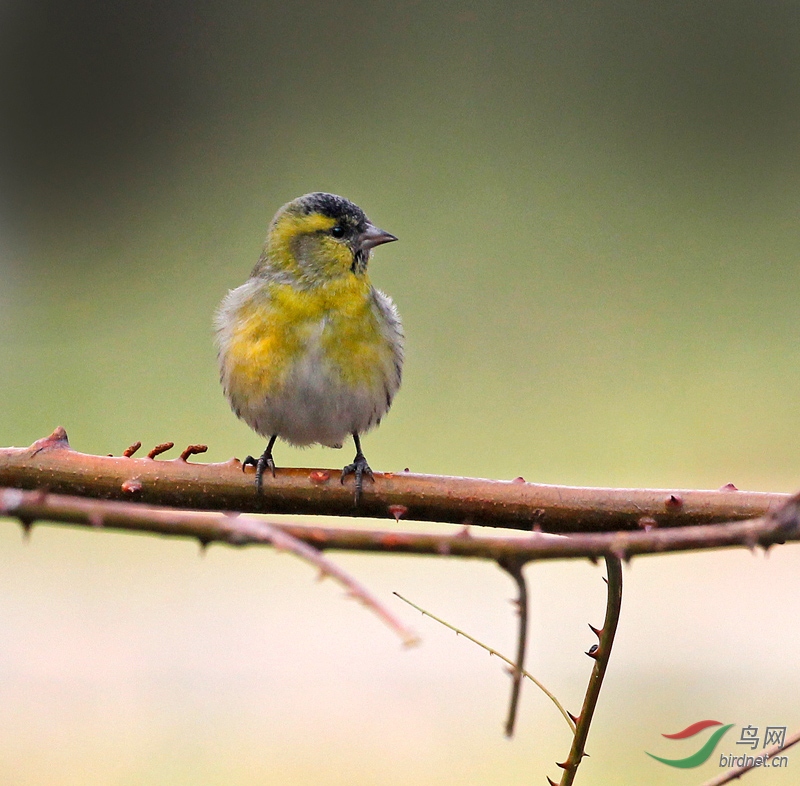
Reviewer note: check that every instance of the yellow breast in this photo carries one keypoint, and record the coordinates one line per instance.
(278, 325)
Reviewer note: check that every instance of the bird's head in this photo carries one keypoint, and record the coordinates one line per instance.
(318, 237)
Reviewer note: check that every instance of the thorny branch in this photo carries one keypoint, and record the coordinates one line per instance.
(601, 654)
(50, 463)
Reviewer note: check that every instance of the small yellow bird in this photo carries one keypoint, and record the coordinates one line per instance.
(309, 351)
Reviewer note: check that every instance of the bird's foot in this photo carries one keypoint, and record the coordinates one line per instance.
(263, 462)
(358, 468)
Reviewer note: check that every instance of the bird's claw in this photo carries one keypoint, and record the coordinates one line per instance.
(358, 468)
(264, 461)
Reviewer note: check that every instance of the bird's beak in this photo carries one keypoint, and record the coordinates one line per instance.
(372, 236)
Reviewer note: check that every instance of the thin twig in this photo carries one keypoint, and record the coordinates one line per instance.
(50, 463)
(601, 654)
(491, 651)
(737, 772)
(514, 569)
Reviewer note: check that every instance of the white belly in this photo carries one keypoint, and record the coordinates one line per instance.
(315, 407)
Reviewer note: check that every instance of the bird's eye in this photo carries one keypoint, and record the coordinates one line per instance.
(337, 231)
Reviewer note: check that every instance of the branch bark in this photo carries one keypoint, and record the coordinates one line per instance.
(51, 464)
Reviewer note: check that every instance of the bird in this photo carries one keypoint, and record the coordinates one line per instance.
(309, 351)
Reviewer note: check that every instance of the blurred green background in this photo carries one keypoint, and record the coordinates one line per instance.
(598, 212)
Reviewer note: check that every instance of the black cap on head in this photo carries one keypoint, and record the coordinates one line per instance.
(335, 207)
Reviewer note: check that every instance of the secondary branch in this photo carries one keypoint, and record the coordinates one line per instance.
(240, 530)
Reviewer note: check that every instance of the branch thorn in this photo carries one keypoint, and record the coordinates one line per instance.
(27, 525)
(673, 502)
(398, 511)
(57, 440)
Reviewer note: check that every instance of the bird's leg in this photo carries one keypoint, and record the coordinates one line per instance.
(264, 461)
(359, 468)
